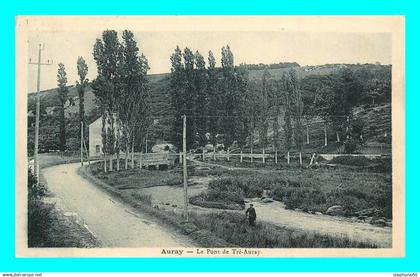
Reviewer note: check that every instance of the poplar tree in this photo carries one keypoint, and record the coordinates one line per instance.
(82, 70)
(178, 97)
(63, 95)
(213, 122)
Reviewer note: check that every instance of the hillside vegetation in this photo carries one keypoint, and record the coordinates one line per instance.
(376, 119)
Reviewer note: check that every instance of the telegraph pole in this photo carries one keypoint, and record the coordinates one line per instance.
(36, 159)
(184, 163)
(81, 142)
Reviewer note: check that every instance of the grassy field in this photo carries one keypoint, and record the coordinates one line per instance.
(137, 178)
(297, 187)
(306, 189)
(235, 230)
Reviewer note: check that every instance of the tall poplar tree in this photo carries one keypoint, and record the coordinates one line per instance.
(82, 70)
(63, 95)
(213, 122)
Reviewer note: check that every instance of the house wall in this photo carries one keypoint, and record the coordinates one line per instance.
(95, 138)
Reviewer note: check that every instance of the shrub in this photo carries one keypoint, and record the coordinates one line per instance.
(145, 198)
(352, 160)
(234, 229)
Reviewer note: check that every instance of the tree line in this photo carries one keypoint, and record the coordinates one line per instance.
(121, 88)
(224, 106)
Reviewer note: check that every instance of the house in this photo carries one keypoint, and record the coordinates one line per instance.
(95, 138)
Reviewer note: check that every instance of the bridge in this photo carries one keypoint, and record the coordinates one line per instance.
(156, 160)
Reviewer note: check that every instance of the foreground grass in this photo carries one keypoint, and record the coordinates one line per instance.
(49, 227)
(225, 229)
(234, 229)
(308, 189)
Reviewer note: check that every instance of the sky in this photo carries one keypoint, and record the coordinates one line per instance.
(305, 48)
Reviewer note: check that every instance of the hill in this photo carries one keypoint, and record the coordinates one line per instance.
(162, 110)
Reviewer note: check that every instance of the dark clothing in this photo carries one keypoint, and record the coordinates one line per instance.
(252, 215)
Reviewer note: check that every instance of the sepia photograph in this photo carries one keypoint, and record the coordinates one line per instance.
(210, 136)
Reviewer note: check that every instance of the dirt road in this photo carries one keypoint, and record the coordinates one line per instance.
(171, 198)
(113, 223)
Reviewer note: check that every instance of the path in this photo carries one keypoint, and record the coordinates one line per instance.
(113, 223)
(277, 214)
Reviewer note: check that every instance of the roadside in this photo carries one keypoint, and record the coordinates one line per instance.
(49, 223)
(169, 198)
(114, 223)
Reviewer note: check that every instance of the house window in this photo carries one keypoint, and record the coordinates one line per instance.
(98, 149)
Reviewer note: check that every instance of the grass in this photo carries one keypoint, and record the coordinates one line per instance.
(309, 190)
(228, 229)
(234, 229)
(48, 226)
(137, 178)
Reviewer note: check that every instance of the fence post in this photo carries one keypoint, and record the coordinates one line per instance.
(275, 156)
(241, 157)
(252, 156)
(214, 152)
(141, 160)
(180, 157)
(300, 158)
(307, 134)
(325, 135)
(263, 155)
(288, 157)
(228, 154)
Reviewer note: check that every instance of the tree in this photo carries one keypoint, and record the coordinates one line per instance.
(82, 70)
(244, 106)
(177, 92)
(107, 55)
(63, 95)
(213, 122)
(297, 110)
(133, 109)
(201, 99)
(264, 107)
(229, 102)
(288, 111)
(190, 97)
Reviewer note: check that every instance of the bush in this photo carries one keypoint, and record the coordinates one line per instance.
(352, 160)
(145, 198)
(233, 228)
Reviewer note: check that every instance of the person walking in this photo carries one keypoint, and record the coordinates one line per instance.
(251, 214)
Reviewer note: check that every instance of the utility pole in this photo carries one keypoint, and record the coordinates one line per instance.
(81, 143)
(184, 163)
(36, 158)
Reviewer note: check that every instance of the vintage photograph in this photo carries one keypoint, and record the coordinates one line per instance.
(183, 136)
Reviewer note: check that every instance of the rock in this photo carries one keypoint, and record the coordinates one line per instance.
(202, 168)
(189, 227)
(174, 206)
(318, 213)
(335, 210)
(267, 200)
(388, 224)
(266, 194)
(378, 222)
(362, 217)
(368, 212)
(68, 214)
